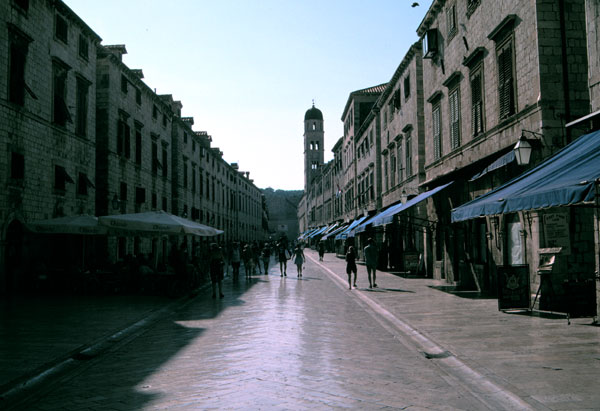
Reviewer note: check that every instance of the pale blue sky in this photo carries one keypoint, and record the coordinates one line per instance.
(247, 71)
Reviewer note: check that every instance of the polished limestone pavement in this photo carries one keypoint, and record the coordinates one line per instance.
(289, 343)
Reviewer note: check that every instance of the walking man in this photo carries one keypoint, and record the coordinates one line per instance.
(371, 254)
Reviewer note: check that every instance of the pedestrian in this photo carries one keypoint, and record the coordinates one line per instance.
(216, 269)
(235, 260)
(351, 266)
(266, 257)
(371, 254)
(321, 250)
(248, 257)
(299, 259)
(282, 254)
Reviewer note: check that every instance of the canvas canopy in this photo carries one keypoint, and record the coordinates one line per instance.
(157, 223)
(566, 178)
(82, 224)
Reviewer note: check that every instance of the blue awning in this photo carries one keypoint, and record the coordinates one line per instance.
(334, 231)
(566, 178)
(500, 162)
(307, 233)
(317, 232)
(345, 234)
(387, 216)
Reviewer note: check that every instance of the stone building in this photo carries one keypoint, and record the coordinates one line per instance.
(47, 131)
(133, 153)
(83, 134)
(497, 73)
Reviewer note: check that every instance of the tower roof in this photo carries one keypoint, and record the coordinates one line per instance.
(313, 114)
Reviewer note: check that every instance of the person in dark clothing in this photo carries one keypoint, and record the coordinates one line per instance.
(321, 250)
(216, 269)
(351, 266)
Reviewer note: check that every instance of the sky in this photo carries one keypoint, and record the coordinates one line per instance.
(247, 70)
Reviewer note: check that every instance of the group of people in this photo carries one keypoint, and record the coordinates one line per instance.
(252, 255)
(370, 253)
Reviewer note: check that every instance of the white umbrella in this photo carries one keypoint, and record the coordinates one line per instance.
(156, 222)
(75, 224)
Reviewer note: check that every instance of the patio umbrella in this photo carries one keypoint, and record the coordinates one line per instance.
(156, 223)
(75, 224)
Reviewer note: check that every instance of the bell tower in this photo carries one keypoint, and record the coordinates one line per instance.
(314, 137)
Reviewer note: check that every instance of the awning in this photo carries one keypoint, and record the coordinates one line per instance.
(566, 178)
(500, 162)
(334, 232)
(387, 216)
(348, 232)
(317, 232)
(307, 233)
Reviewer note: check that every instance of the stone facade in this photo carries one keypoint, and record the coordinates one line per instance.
(83, 134)
(47, 125)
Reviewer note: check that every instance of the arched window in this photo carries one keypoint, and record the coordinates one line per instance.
(314, 126)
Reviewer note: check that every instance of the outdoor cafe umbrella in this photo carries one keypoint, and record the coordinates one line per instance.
(156, 223)
(82, 224)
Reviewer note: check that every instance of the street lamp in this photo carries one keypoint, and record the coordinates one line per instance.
(522, 151)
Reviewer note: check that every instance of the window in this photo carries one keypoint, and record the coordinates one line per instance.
(123, 83)
(164, 120)
(437, 132)
(471, 6)
(400, 161)
(201, 181)
(430, 43)
(386, 183)
(154, 201)
(408, 153)
(155, 163)
(23, 4)
(476, 81)
(81, 116)
(123, 139)
(164, 162)
(19, 46)
(407, 87)
(61, 178)
(451, 21)
(140, 195)
(138, 144)
(17, 166)
(154, 111)
(83, 47)
(193, 179)
(164, 204)
(371, 187)
(61, 29)
(138, 96)
(454, 101)
(83, 182)
(185, 138)
(61, 113)
(506, 84)
(393, 169)
(185, 175)
(123, 197)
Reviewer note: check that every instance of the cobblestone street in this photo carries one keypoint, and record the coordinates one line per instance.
(310, 343)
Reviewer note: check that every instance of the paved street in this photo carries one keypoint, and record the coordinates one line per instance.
(289, 343)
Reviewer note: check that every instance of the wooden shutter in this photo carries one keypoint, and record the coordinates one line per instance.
(476, 104)
(505, 80)
(454, 120)
(437, 141)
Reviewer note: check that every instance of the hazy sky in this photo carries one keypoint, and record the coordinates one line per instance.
(247, 70)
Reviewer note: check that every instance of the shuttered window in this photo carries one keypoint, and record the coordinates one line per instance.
(400, 162)
(476, 81)
(408, 152)
(506, 84)
(437, 132)
(454, 100)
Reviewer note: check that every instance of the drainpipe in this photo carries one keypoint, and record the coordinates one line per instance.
(565, 67)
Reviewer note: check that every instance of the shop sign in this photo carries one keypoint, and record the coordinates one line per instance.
(513, 287)
(556, 231)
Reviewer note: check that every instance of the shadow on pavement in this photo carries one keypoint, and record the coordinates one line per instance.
(462, 293)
